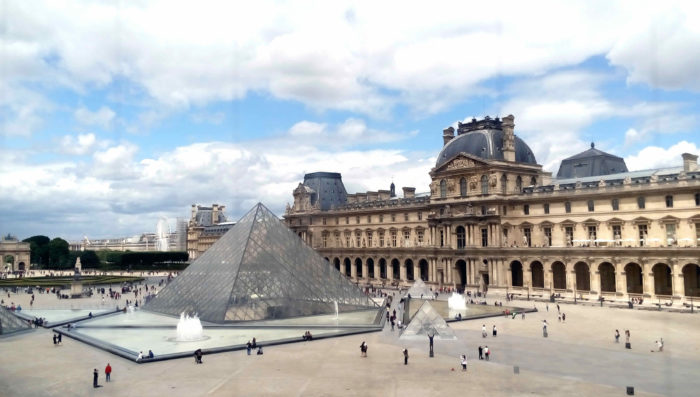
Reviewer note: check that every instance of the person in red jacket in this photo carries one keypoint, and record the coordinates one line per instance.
(108, 372)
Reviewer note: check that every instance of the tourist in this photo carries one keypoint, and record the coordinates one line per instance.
(431, 336)
(405, 356)
(108, 372)
(481, 353)
(660, 345)
(139, 357)
(547, 306)
(249, 347)
(464, 362)
(55, 339)
(260, 351)
(483, 331)
(94, 378)
(150, 354)
(255, 344)
(495, 332)
(617, 336)
(627, 339)
(559, 317)
(487, 352)
(544, 328)
(60, 338)
(558, 311)
(198, 356)
(363, 349)
(563, 317)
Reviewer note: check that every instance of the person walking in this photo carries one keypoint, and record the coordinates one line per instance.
(94, 379)
(544, 328)
(55, 339)
(487, 352)
(627, 339)
(60, 338)
(617, 336)
(483, 331)
(495, 332)
(558, 310)
(481, 353)
(563, 317)
(249, 347)
(464, 362)
(108, 372)
(405, 356)
(363, 349)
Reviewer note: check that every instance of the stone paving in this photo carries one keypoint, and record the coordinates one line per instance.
(578, 358)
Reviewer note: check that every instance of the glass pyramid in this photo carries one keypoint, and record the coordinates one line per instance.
(427, 321)
(259, 270)
(420, 291)
(9, 323)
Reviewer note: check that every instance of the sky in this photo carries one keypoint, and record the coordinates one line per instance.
(116, 113)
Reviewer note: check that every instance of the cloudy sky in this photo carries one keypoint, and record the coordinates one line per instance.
(115, 113)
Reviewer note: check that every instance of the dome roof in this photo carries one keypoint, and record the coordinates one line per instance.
(484, 143)
(592, 162)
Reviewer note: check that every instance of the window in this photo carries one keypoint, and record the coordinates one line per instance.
(591, 206)
(358, 238)
(463, 187)
(337, 240)
(548, 236)
(697, 198)
(669, 201)
(504, 184)
(369, 218)
(347, 240)
(443, 189)
(484, 184)
(615, 204)
(528, 236)
(505, 210)
(533, 181)
(484, 237)
(405, 216)
(592, 233)
(526, 209)
(311, 221)
(337, 221)
(419, 233)
(567, 207)
(460, 237)
(642, 234)
(325, 240)
(569, 233)
(323, 220)
(393, 238)
(546, 208)
(369, 238)
(671, 233)
(697, 232)
(420, 216)
(483, 210)
(357, 220)
(393, 217)
(381, 239)
(641, 203)
(347, 220)
(617, 233)
(442, 238)
(519, 184)
(406, 238)
(381, 218)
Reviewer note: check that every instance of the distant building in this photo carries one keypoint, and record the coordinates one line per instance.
(206, 226)
(15, 255)
(495, 220)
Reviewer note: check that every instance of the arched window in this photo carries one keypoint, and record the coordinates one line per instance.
(484, 184)
(443, 189)
(533, 181)
(463, 187)
(504, 184)
(519, 184)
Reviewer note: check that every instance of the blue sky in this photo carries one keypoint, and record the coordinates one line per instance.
(113, 114)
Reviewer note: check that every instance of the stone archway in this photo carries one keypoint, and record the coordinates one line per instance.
(461, 267)
(370, 268)
(409, 270)
(691, 280)
(336, 263)
(537, 274)
(607, 277)
(348, 268)
(633, 275)
(358, 267)
(395, 269)
(424, 269)
(663, 281)
(516, 273)
(583, 276)
(382, 268)
(558, 275)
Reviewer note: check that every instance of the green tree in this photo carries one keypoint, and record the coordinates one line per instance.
(59, 254)
(39, 246)
(89, 259)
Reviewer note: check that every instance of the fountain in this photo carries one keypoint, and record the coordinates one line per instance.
(189, 329)
(336, 309)
(457, 302)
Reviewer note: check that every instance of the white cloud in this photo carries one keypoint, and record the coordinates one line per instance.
(658, 157)
(80, 145)
(103, 117)
(307, 128)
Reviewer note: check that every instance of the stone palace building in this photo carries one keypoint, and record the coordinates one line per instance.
(495, 220)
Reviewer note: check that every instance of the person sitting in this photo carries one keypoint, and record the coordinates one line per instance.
(150, 354)
(260, 351)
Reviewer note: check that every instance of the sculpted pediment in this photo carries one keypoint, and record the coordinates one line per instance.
(462, 161)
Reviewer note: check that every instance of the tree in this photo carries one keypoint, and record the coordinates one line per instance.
(89, 259)
(59, 254)
(39, 246)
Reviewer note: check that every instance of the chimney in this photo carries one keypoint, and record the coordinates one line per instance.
(214, 214)
(447, 135)
(194, 211)
(409, 192)
(690, 162)
(508, 138)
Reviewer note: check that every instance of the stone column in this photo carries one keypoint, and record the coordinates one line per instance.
(365, 270)
(527, 276)
(595, 280)
(647, 279)
(402, 271)
(620, 278)
(353, 270)
(416, 271)
(677, 280)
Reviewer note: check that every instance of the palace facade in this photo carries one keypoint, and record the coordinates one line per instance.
(495, 220)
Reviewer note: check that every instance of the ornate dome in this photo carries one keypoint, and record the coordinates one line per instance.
(483, 138)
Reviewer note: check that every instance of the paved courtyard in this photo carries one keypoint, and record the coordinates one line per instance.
(578, 358)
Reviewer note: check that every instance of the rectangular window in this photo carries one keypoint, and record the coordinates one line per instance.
(337, 221)
(347, 220)
(669, 201)
(526, 209)
(420, 236)
(381, 218)
(406, 238)
(420, 216)
(617, 233)
(337, 240)
(323, 220)
(569, 233)
(615, 204)
(567, 207)
(484, 237)
(393, 238)
(671, 233)
(393, 217)
(357, 220)
(325, 240)
(381, 239)
(697, 232)
(592, 233)
(642, 234)
(641, 203)
(358, 239)
(548, 236)
(405, 216)
(528, 236)
(591, 206)
(369, 239)
(442, 238)
(347, 240)
(546, 208)
(369, 218)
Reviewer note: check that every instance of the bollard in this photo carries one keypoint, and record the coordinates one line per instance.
(630, 390)
(516, 369)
